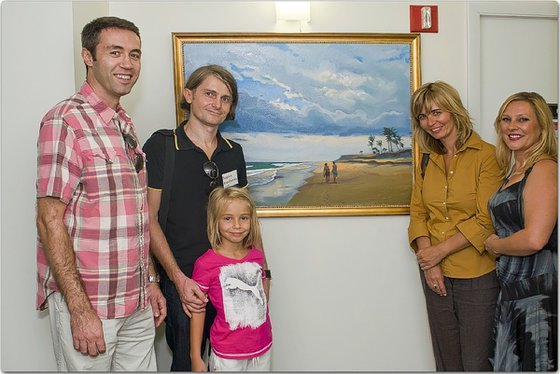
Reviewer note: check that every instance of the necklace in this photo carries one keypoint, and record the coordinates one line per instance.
(513, 173)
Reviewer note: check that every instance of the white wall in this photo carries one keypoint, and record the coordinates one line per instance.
(346, 292)
(37, 66)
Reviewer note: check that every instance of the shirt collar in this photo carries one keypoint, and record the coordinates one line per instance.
(183, 143)
(103, 110)
(474, 141)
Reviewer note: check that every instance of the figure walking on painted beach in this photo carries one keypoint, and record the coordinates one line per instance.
(326, 173)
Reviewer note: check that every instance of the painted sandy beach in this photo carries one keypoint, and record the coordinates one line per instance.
(362, 181)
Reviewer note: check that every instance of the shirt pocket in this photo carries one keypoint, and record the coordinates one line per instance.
(108, 175)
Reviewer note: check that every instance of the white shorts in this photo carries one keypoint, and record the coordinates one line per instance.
(259, 363)
(129, 341)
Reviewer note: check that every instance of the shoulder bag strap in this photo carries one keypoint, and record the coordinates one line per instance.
(424, 163)
(169, 165)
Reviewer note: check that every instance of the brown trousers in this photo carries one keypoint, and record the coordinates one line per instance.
(461, 323)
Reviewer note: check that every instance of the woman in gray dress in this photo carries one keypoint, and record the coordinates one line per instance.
(524, 212)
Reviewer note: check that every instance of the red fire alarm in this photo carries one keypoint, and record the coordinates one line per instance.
(423, 18)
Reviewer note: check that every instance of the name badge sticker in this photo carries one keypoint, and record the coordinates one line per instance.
(230, 178)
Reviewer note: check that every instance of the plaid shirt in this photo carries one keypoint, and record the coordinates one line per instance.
(84, 161)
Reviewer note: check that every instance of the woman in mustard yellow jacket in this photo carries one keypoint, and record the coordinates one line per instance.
(449, 222)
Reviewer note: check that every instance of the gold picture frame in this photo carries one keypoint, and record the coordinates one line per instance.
(310, 99)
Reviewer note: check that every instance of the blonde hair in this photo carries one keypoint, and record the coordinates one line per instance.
(447, 98)
(546, 145)
(217, 202)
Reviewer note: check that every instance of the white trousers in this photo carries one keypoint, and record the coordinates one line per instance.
(259, 363)
(129, 341)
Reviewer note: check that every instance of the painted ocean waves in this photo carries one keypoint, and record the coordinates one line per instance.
(275, 183)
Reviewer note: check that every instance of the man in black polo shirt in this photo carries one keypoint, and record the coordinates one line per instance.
(203, 160)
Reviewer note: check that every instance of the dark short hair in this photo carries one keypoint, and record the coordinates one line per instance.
(92, 31)
(200, 74)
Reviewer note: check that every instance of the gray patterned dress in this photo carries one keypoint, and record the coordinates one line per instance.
(525, 329)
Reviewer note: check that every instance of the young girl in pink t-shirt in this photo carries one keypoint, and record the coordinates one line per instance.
(232, 274)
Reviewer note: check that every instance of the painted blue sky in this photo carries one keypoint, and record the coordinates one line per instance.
(341, 89)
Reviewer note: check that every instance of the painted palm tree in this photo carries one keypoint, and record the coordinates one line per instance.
(371, 143)
(398, 142)
(390, 133)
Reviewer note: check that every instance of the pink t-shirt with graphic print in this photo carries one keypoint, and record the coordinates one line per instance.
(242, 328)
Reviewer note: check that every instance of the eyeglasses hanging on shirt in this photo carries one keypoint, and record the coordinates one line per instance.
(138, 158)
(132, 144)
(212, 171)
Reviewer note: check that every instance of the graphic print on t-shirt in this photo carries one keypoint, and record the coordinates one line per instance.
(243, 295)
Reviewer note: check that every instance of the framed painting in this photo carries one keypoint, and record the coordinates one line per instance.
(323, 119)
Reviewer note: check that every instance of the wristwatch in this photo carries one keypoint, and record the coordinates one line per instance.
(153, 278)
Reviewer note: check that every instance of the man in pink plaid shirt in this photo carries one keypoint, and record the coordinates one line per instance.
(94, 269)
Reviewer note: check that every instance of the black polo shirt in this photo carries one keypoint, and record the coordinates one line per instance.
(186, 221)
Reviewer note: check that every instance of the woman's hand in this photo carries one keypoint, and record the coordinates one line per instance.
(489, 244)
(429, 257)
(435, 281)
